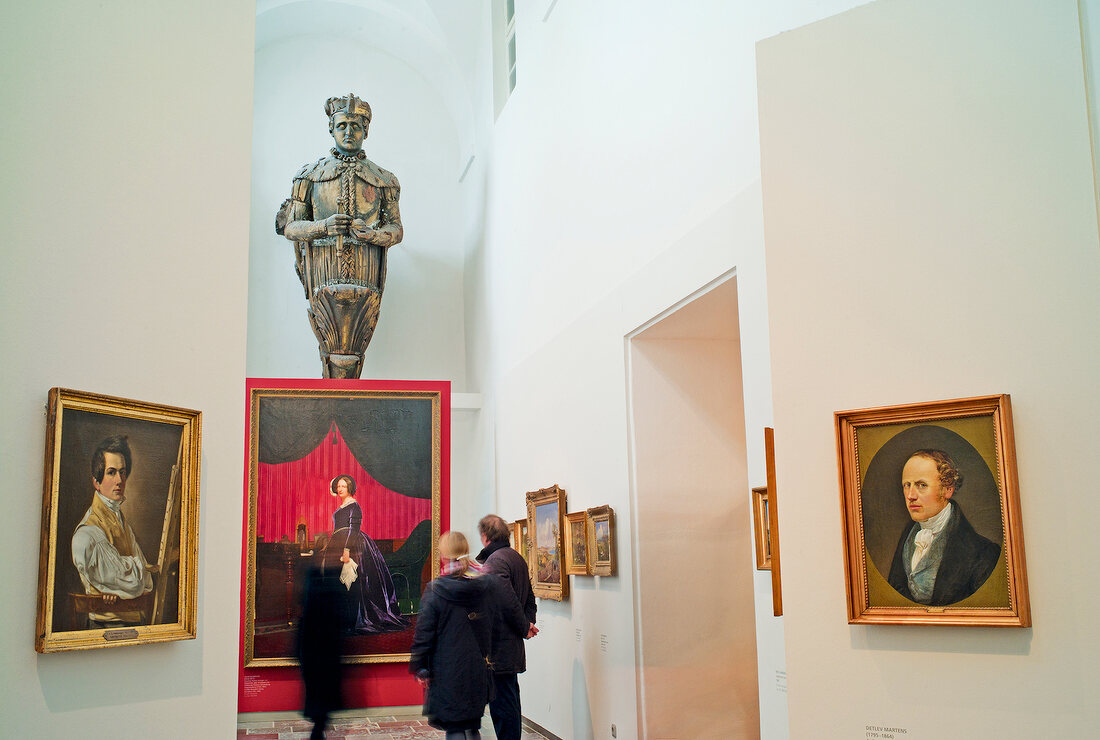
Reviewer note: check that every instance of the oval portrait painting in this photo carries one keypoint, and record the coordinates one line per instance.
(932, 518)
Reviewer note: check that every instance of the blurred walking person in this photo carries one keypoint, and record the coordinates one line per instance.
(321, 631)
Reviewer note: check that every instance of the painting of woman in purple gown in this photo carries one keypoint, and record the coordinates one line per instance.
(371, 598)
(347, 475)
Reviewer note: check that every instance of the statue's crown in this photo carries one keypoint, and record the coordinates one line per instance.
(348, 104)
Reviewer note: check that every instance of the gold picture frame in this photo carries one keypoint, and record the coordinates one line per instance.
(910, 468)
(601, 540)
(519, 537)
(546, 512)
(761, 528)
(390, 438)
(576, 544)
(147, 457)
(773, 521)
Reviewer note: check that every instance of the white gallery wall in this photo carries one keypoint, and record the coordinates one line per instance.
(922, 160)
(411, 61)
(125, 199)
(623, 178)
(687, 441)
(931, 232)
(413, 134)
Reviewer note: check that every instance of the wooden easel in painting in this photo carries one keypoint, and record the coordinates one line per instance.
(169, 536)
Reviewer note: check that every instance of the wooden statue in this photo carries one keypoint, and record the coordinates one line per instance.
(343, 216)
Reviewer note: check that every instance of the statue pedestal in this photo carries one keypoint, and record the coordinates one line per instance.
(343, 318)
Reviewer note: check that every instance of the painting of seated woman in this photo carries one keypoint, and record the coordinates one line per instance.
(348, 481)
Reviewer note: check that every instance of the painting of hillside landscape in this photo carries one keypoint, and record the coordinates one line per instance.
(603, 540)
(545, 511)
(546, 542)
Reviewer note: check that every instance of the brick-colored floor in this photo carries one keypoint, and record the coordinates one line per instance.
(350, 725)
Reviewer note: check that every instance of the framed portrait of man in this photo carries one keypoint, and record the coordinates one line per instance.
(932, 522)
(346, 482)
(120, 523)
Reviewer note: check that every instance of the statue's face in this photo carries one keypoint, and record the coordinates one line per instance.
(348, 132)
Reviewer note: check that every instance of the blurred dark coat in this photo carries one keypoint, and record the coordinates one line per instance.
(320, 641)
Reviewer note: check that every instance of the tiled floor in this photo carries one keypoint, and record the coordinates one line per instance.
(356, 725)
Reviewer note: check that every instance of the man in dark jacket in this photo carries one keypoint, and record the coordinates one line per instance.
(508, 657)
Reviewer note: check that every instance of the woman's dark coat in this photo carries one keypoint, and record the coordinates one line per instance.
(452, 644)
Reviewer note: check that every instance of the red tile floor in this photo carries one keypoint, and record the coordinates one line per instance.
(351, 725)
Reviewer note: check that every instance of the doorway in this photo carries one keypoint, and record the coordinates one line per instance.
(693, 585)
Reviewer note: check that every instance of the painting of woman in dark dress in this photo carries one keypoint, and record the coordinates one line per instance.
(343, 475)
(372, 599)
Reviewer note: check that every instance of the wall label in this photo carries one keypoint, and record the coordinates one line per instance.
(254, 686)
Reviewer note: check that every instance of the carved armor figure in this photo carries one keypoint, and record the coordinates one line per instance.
(343, 216)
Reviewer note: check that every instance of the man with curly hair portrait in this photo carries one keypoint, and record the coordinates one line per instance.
(940, 559)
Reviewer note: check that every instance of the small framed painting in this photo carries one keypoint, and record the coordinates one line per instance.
(761, 529)
(546, 511)
(601, 540)
(576, 551)
(773, 522)
(519, 537)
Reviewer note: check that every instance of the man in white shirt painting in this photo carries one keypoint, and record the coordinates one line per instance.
(106, 552)
(940, 559)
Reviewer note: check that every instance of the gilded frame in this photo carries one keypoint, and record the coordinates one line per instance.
(773, 521)
(546, 510)
(576, 544)
(160, 508)
(429, 392)
(519, 537)
(601, 540)
(761, 529)
(975, 434)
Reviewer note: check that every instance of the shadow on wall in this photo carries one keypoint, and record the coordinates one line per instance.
(582, 714)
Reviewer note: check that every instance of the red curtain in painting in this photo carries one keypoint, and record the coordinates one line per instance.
(298, 491)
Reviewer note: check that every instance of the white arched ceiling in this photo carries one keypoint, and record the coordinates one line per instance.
(408, 30)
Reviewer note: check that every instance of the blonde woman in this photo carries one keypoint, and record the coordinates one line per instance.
(453, 640)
